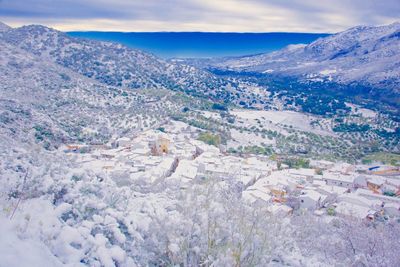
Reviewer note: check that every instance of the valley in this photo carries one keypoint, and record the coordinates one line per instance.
(111, 156)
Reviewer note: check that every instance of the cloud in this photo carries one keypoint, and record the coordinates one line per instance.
(200, 15)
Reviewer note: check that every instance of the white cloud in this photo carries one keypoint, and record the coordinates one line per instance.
(200, 15)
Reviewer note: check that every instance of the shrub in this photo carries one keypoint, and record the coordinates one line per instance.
(218, 106)
(331, 211)
(209, 138)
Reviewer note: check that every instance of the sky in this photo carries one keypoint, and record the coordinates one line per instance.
(200, 15)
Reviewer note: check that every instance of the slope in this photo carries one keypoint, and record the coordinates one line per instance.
(114, 64)
(365, 55)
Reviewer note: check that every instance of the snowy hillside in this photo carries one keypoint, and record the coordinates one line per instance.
(114, 64)
(58, 103)
(365, 55)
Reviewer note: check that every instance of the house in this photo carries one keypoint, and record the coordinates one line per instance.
(395, 183)
(99, 146)
(73, 148)
(392, 209)
(279, 193)
(159, 146)
(167, 167)
(338, 179)
(332, 190)
(185, 169)
(389, 189)
(280, 210)
(319, 212)
(96, 154)
(377, 197)
(375, 183)
(248, 178)
(140, 167)
(123, 142)
(361, 200)
(254, 195)
(307, 174)
(360, 181)
(384, 170)
(350, 210)
(293, 184)
(310, 199)
(108, 167)
(107, 155)
(137, 145)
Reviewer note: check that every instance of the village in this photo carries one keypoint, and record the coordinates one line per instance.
(173, 156)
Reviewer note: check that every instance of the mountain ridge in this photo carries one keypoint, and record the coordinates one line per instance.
(364, 54)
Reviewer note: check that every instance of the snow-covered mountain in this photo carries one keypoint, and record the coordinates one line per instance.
(366, 55)
(48, 104)
(113, 64)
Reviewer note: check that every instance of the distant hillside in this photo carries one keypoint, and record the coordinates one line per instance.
(365, 55)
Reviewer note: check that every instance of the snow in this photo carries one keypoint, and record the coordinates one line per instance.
(327, 72)
(314, 195)
(27, 252)
(268, 71)
(274, 120)
(280, 210)
(330, 176)
(352, 210)
(333, 189)
(253, 195)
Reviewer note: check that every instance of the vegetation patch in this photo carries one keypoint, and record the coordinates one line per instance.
(210, 139)
(383, 157)
(351, 127)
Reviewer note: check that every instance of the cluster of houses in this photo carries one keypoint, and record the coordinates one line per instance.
(332, 189)
(175, 157)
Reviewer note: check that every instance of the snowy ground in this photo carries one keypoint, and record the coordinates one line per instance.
(274, 120)
(366, 113)
(247, 139)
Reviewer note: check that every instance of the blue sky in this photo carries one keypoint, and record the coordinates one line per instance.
(201, 15)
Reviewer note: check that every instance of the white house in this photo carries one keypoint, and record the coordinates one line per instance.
(280, 210)
(253, 195)
(331, 190)
(360, 181)
(123, 142)
(186, 170)
(376, 197)
(307, 174)
(338, 179)
(346, 209)
(358, 199)
(310, 199)
(392, 209)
